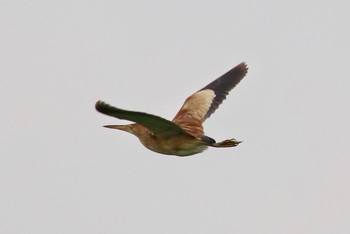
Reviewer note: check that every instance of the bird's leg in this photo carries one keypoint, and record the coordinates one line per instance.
(227, 143)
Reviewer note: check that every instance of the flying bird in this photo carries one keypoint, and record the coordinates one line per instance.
(184, 135)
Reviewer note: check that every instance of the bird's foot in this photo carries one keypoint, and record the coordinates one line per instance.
(227, 143)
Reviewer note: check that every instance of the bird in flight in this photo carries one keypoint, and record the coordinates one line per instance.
(184, 135)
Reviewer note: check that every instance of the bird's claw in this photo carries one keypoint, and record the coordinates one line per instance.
(227, 143)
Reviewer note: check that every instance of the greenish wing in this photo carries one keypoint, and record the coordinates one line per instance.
(155, 124)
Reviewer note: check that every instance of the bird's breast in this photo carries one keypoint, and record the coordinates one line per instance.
(181, 145)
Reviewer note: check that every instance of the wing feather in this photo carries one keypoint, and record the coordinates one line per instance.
(223, 85)
(191, 115)
(155, 124)
(202, 104)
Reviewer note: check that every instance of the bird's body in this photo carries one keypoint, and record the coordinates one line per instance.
(179, 144)
(184, 135)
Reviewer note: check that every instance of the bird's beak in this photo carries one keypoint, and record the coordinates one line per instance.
(126, 128)
(121, 127)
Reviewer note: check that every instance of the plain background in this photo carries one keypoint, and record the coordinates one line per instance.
(61, 172)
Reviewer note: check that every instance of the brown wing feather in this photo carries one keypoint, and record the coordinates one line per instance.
(191, 115)
(199, 106)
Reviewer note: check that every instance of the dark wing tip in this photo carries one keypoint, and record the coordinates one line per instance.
(242, 68)
(228, 80)
(224, 84)
(103, 107)
(99, 104)
(238, 71)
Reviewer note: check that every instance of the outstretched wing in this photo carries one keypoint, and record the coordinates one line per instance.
(155, 124)
(199, 106)
(223, 85)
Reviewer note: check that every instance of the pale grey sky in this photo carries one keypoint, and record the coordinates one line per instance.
(61, 172)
